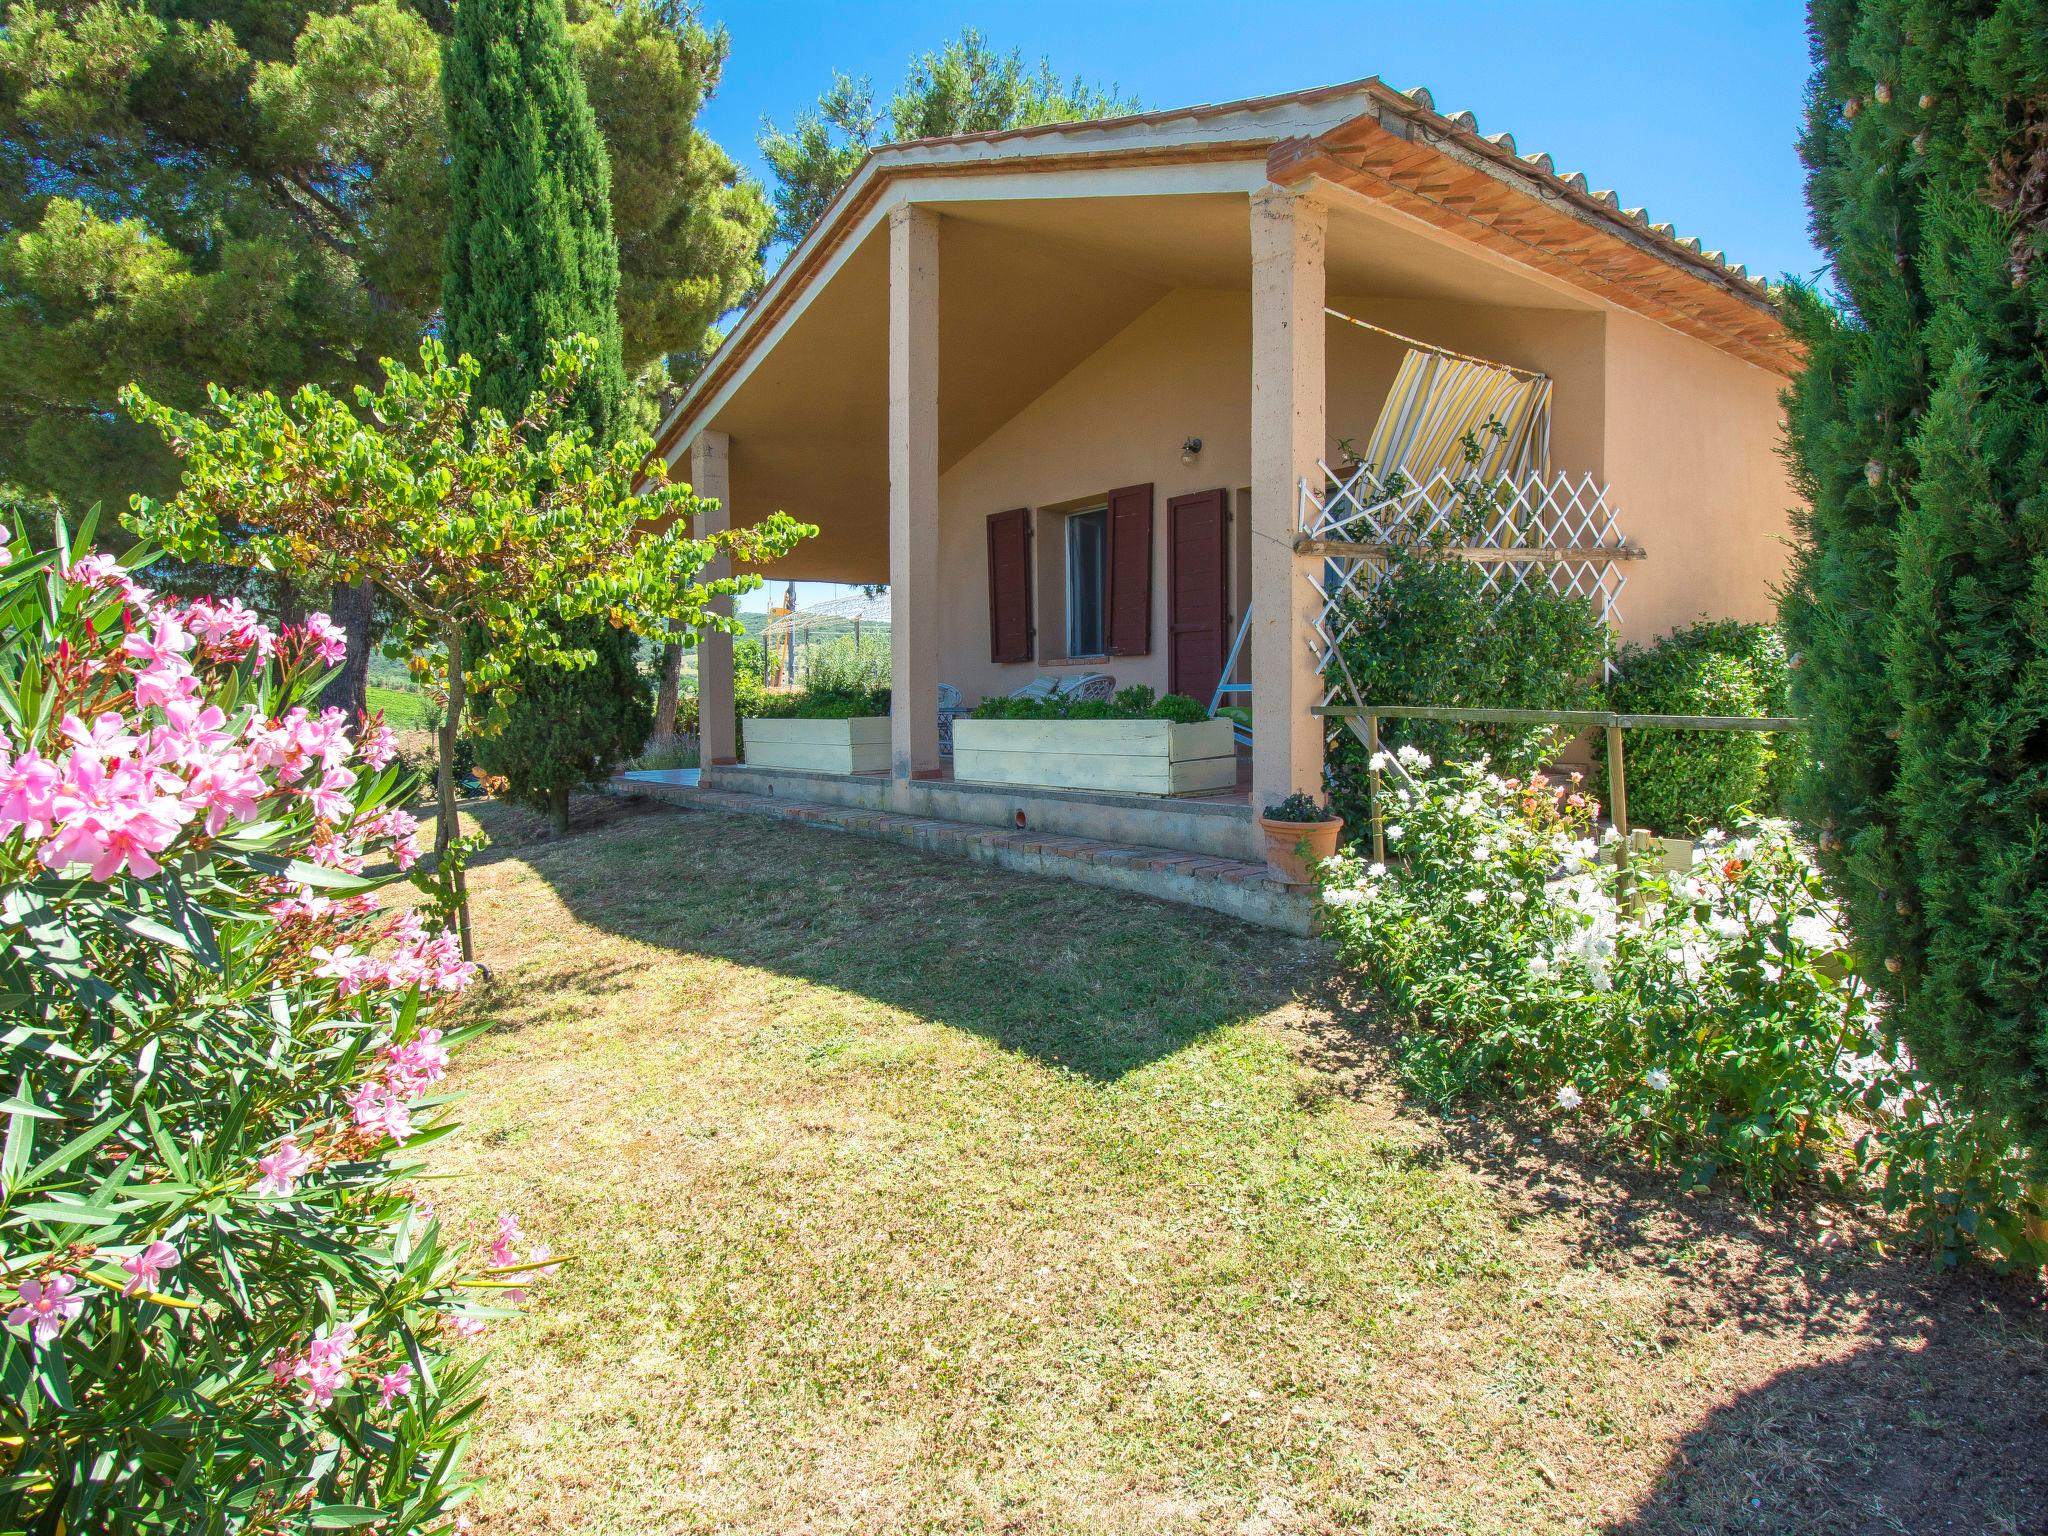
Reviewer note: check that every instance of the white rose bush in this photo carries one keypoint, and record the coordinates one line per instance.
(226, 1307)
(1708, 1020)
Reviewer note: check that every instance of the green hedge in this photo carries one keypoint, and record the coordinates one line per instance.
(1682, 782)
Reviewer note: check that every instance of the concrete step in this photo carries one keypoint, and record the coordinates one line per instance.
(1246, 891)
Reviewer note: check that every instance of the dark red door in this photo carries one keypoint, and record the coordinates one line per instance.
(1198, 587)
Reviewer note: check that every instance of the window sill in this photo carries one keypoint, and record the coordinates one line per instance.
(1075, 661)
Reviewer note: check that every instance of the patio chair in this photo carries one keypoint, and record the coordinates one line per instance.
(1087, 687)
(949, 706)
(1040, 687)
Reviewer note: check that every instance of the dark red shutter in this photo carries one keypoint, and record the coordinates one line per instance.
(1129, 629)
(1197, 593)
(1009, 586)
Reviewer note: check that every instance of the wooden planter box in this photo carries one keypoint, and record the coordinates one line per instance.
(858, 745)
(1132, 757)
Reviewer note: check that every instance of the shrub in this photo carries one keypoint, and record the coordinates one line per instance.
(841, 669)
(1299, 807)
(1706, 1020)
(230, 1311)
(1432, 633)
(1134, 703)
(1681, 782)
(569, 726)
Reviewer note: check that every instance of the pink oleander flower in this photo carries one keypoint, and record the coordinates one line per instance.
(282, 1367)
(283, 1168)
(165, 684)
(410, 1069)
(107, 737)
(322, 1380)
(104, 571)
(333, 1347)
(375, 1109)
(114, 821)
(28, 790)
(46, 1306)
(228, 631)
(378, 746)
(329, 639)
(503, 1247)
(148, 1267)
(467, 1327)
(393, 1385)
(166, 641)
(330, 802)
(226, 789)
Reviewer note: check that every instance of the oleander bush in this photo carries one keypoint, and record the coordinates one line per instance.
(228, 1308)
(1682, 782)
(1708, 1020)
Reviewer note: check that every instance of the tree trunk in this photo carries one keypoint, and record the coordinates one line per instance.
(350, 691)
(447, 820)
(669, 698)
(558, 808)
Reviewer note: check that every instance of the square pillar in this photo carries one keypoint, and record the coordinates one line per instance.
(717, 731)
(1288, 230)
(914, 492)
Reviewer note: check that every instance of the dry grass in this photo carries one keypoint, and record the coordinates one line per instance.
(908, 1196)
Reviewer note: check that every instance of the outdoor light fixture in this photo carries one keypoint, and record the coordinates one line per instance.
(1189, 449)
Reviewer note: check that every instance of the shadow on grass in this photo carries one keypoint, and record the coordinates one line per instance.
(1935, 1425)
(1931, 1415)
(1092, 981)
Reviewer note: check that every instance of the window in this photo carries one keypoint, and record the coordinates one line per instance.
(1087, 571)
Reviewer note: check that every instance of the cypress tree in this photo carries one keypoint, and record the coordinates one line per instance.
(531, 258)
(1919, 600)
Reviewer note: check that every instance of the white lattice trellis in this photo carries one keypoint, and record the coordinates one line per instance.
(1562, 530)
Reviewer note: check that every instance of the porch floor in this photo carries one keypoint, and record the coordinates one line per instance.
(1238, 888)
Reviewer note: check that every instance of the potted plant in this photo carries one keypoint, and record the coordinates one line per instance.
(820, 732)
(1301, 832)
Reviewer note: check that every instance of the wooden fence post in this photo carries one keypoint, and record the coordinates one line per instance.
(1372, 770)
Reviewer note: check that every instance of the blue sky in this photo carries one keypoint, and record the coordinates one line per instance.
(1688, 110)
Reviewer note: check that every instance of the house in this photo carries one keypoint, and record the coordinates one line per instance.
(1069, 391)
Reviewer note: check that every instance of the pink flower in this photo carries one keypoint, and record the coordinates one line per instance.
(104, 571)
(323, 1379)
(393, 1385)
(376, 1110)
(148, 1266)
(113, 821)
(282, 1367)
(330, 640)
(225, 788)
(165, 683)
(410, 1069)
(283, 1168)
(28, 786)
(502, 1253)
(329, 801)
(168, 641)
(377, 746)
(46, 1306)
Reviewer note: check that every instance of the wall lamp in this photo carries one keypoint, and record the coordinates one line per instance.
(1189, 449)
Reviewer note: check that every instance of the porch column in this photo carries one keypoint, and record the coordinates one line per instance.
(1287, 440)
(914, 492)
(717, 732)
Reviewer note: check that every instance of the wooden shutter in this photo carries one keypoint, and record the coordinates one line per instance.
(1127, 627)
(1010, 635)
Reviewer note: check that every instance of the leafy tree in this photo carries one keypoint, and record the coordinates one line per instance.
(966, 87)
(566, 727)
(458, 516)
(257, 196)
(1919, 432)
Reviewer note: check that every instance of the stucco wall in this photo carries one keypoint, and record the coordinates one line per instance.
(1692, 461)
(1685, 436)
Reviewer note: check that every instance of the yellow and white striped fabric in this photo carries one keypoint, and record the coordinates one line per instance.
(1436, 400)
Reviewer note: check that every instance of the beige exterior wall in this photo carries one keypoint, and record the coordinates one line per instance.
(1183, 369)
(1692, 460)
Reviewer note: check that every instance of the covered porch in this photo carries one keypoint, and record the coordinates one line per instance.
(1073, 419)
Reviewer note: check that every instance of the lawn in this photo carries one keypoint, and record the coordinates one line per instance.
(908, 1196)
(405, 709)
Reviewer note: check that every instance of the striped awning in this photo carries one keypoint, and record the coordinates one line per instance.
(1437, 400)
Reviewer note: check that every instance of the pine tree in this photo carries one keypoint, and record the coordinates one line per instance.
(1919, 604)
(530, 256)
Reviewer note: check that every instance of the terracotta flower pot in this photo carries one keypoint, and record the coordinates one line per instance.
(1284, 851)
